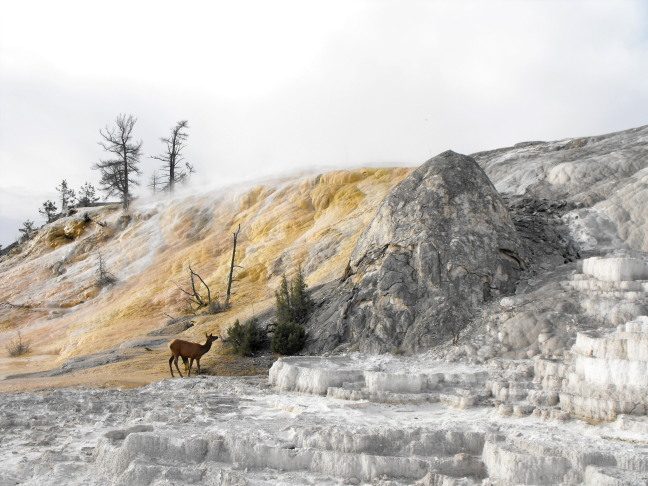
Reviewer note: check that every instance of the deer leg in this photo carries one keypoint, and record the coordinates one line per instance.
(191, 360)
(170, 367)
(177, 367)
(185, 361)
(198, 364)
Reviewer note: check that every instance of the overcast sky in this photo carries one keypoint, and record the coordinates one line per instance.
(270, 86)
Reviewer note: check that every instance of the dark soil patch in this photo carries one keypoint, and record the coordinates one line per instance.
(233, 365)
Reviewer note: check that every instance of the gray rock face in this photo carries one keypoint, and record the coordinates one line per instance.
(607, 175)
(441, 244)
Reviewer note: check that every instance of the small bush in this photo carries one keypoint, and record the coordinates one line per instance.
(18, 346)
(216, 307)
(246, 339)
(288, 338)
(104, 277)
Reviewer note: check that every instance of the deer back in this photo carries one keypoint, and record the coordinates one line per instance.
(186, 349)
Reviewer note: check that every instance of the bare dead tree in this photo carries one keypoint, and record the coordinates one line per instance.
(104, 277)
(232, 267)
(117, 172)
(155, 183)
(172, 156)
(195, 299)
(194, 295)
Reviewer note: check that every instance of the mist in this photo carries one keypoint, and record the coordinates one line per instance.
(269, 88)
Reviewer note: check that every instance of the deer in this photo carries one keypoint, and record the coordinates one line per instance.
(188, 351)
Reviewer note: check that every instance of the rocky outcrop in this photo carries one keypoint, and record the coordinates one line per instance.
(441, 244)
(587, 169)
(606, 175)
(545, 237)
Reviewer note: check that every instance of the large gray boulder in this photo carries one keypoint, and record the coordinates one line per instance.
(441, 244)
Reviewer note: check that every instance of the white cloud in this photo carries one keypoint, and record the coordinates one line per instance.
(269, 86)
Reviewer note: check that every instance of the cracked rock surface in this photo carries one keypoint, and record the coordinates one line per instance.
(441, 244)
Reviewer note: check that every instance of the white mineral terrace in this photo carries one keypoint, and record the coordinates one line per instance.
(235, 431)
(616, 269)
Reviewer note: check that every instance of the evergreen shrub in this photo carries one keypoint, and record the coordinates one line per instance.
(246, 339)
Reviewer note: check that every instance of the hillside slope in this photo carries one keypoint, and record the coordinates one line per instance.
(48, 287)
(597, 187)
(542, 378)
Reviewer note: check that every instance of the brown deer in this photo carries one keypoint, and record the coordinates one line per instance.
(191, 351)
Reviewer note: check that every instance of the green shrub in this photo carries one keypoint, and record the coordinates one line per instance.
(288, 338)
(284, 310)
(294, 307)
(246, 339)
(300, 300)
(294, 303)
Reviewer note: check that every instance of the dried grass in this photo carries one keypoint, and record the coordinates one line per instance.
(18, 346)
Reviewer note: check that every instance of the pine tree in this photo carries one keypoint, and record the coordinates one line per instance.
(48, 210)
(294, 306)
(300, 301)
(284, 308)
(87, 195)
(246, 339)
(27, 229)
(66, 195)
(288, 338)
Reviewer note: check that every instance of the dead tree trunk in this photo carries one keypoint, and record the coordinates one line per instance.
(231, 272)
(195, 297)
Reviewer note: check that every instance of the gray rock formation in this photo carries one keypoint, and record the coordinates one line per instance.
(606, 174)
(441, 244)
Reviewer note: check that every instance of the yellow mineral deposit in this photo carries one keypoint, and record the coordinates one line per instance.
(311, 221)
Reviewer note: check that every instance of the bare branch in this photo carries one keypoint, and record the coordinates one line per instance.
(199, 300)
(203, 282)
(194, 295)
(183, 290)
